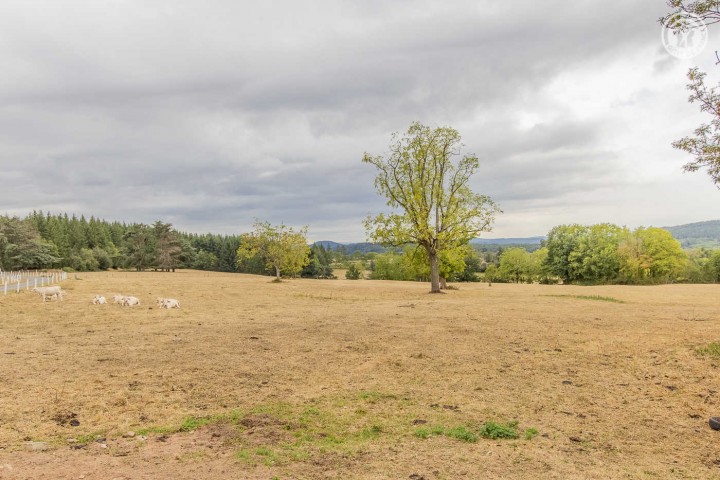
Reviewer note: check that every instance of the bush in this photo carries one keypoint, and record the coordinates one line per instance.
(353, 272)
(494, 430)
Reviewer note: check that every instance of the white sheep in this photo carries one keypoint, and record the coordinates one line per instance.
(130, 301)
(118, 299)
(99, 300)
(170, 303)
(46, 292)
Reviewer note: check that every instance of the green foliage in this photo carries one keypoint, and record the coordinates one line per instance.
(21, 246)
(434, 206)
(607, 253)
(393, 266)
(353, 272)
(494, 430)
(462, 433)
(531, 433)
(561, 242)
(651, 255)
(704, 146)
(280, 247)
(319, 263)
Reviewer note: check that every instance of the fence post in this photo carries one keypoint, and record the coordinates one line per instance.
(5, 288)
(17, 290)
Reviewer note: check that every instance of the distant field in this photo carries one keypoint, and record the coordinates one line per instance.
(358, 379)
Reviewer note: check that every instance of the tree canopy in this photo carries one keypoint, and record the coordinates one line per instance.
(704, 144)
(428, 189)
(280, 247)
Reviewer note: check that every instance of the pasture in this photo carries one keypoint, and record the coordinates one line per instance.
(357, 379)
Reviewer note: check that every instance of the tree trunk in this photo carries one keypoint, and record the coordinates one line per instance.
(277, 272)
(434, 272)
(443, 283)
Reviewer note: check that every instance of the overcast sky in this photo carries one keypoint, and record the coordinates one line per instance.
(208, 114)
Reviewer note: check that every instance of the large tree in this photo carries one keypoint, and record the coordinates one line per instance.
(280, 247)
(168, 246)
(425, 181)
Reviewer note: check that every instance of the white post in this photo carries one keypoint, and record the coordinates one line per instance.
(35, 282)
(5, 288)
(27, 284)
(18, 287)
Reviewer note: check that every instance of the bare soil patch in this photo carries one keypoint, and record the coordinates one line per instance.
(357, 379)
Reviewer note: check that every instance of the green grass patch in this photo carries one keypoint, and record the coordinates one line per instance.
(87, 438)
(374, 397)
(531, 433)
(494, 430)
(462, 434)
(710, 350)
(345, 425)
(598, 298)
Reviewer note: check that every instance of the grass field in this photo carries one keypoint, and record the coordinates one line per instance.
(364, 379)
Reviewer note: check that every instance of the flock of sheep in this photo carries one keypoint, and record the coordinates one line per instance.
(56, 293)
(128, 301)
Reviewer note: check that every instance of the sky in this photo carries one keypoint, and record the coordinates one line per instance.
(209, 115)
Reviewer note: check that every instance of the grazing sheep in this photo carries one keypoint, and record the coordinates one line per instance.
(119, 299)
(99, 300)
(46, 292)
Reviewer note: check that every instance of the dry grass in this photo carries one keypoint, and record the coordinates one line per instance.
(359, 379)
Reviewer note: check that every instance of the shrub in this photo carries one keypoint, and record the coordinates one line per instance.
(353, 272)
(494, 430)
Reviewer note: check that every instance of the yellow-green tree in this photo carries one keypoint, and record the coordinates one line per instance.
(434, 207)
(651, 255)
(280, 247)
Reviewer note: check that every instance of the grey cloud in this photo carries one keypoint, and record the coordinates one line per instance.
(211, 114)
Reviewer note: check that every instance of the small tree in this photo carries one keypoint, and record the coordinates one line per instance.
(353, 272)
(437, 209)
(281, 248)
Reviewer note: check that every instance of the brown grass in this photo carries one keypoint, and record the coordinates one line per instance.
(358, 379)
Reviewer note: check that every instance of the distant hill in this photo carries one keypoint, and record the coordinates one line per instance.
(531, 243)
(691, 235)
(350, 248)
(699, 234)
(508, 241)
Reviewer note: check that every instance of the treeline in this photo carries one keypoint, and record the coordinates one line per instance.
(606, 253)
(60, 241)
(571, 254)
(594, 254)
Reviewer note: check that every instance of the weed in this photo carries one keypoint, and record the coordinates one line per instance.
(531, 433)
(371, 432)
(242, 455)
(423, 433)
(711, 350)
(193, 423)
(494, 430)
(462, 433)
(437, 430)
(88, 438)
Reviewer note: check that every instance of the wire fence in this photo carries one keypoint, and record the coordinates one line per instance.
(16, 281)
